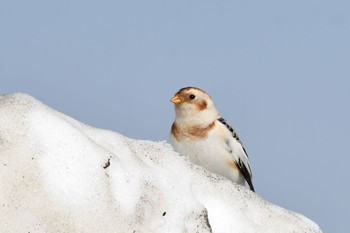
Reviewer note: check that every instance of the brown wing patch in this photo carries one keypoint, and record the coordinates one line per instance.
(233, 165)
(175, 131)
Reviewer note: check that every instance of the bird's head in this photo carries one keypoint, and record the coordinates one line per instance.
(194, 105)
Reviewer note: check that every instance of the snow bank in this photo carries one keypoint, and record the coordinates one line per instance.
(59, 175)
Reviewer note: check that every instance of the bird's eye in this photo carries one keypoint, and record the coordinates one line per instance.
(192, 96)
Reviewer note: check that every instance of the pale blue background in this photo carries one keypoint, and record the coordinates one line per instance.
(279, 71)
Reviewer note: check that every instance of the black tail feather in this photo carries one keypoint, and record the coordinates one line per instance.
(246, 174)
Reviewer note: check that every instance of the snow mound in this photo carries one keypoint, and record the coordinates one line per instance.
(59, 175)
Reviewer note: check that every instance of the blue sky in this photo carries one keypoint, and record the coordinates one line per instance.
(278, 71)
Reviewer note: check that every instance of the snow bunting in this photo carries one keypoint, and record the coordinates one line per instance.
(206, 138)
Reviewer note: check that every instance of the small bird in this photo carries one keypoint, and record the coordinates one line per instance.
(206, 138)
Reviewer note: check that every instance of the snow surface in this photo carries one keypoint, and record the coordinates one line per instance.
(59, 175)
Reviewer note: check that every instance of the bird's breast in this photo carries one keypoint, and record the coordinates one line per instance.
(195, 132)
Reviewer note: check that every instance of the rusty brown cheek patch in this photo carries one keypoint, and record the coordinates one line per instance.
(195, 131)
(202, 105)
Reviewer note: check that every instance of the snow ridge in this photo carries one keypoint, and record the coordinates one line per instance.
(60, 175)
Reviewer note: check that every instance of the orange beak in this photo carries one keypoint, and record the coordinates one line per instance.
(176, 99)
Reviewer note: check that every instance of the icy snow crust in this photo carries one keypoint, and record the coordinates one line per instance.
(59, 175)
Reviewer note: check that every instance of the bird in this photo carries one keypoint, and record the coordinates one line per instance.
(208, 140)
